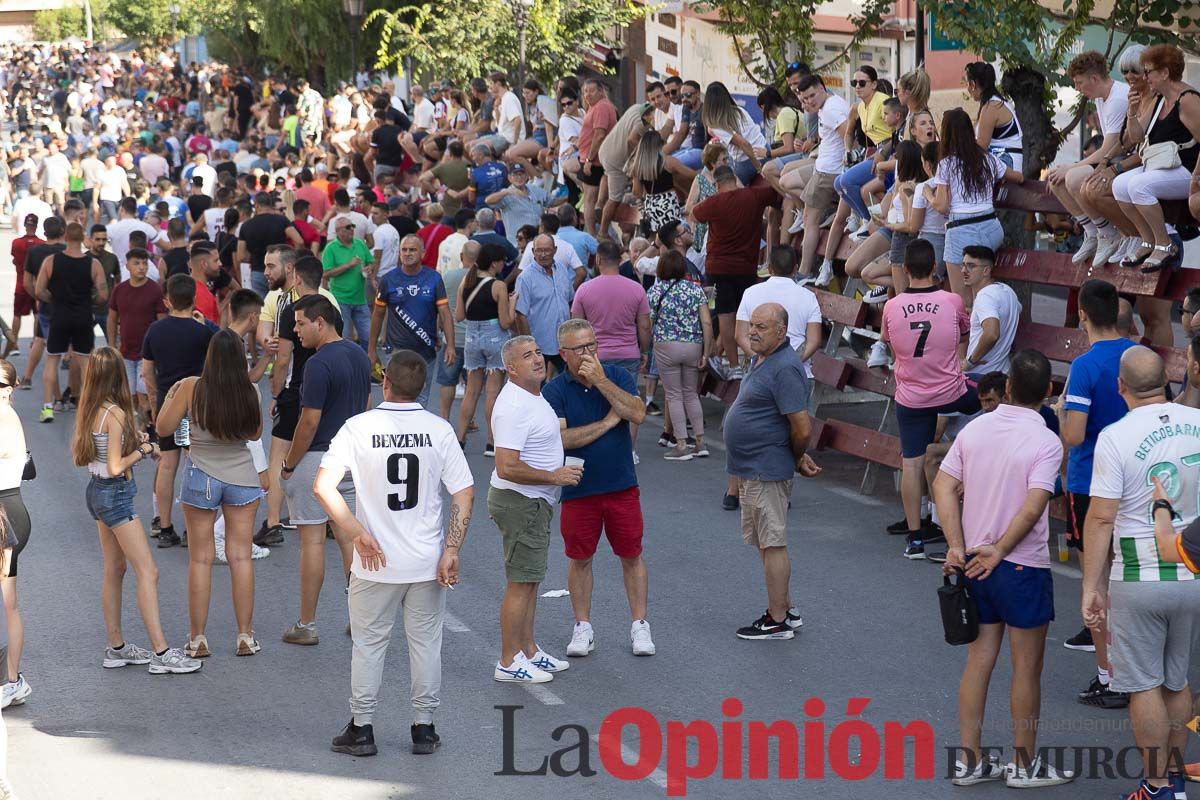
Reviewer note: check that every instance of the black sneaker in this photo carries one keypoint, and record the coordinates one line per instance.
(937, 558)
(489, 450)
(915, 546)
(183, 539)
(1097, 694)
(269, 537)
(730, 503)
(653, 409)
(666, 440)
(355, 740)
(931, 533)
(167, 537)
(155, 527)
(328, 531)
(766, 628)
(1081, 641)
(897, 528)
(425, 740)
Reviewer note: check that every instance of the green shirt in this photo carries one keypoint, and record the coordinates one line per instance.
(348, 287)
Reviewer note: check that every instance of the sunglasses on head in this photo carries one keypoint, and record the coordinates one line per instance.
(859, 84)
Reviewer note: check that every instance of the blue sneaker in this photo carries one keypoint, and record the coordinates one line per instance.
(1178, 783)
(1145, 792)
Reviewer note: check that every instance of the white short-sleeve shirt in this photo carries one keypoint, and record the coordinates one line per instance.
(831, 153)
(1112, 109)
(510, 109)
(999, 302)
(400, 457)
(527, 423)
(800, 304)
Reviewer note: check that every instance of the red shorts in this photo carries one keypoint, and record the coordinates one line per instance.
(619, 514)
(22, 303)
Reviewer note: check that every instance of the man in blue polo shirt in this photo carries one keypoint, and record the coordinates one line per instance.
(544, 294)
(413, 298)
(595, 406)
(1091, 403)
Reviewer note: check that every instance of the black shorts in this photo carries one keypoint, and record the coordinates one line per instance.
(918, 426)
(71, 333)
(593, 179)
(287, 416)
(730, 289)
(1077, 511)
(18, 521)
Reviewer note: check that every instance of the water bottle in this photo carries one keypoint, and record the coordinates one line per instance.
(183, 434)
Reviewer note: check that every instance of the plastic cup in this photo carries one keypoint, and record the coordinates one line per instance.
(572, 461)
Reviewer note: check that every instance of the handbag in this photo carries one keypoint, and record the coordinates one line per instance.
(960, 614)
(30, 471)
(1163, 155)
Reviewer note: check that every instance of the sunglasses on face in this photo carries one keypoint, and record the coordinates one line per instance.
(859, 84)
(687, 95)
(1131, 71)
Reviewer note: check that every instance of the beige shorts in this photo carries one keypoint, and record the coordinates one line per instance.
(618, 182)
(764, 512)
(819, 192)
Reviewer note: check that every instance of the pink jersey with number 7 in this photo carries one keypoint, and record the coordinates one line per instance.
(924, 327)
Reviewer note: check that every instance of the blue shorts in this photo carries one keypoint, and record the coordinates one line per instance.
(448, 375)
(631, 365)
(110, 500)
(485, 338)
(1016, 595)
(43, 325)
(918, 426)
(201, 490)
(987, 233)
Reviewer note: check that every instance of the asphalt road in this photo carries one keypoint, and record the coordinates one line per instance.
(260, 727)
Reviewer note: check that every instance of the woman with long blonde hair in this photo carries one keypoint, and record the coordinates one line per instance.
(107, 442)
(654, 176)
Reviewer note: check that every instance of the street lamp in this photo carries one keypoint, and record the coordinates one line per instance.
(354, 12)
(520, 12)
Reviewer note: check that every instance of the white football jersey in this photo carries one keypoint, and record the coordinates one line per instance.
(400, 456)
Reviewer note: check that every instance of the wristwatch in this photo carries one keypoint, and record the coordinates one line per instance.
(1161, 504)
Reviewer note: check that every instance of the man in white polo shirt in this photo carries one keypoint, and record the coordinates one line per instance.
(400, 457)
(524, 488)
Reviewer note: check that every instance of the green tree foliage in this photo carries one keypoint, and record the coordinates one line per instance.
(769, 34)
(54, 24)
(154, 21)
(461, 39)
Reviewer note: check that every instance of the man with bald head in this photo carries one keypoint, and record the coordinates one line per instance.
(544, 293)
(1151, 604)
(766, 436)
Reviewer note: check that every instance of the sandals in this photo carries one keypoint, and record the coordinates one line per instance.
(1170, 252)
(1136, 260)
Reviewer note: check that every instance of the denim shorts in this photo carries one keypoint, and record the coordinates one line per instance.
(201, 490)
(110, 500)
(484, 340)
(448, 375)
(938, 240)
(783, 161)
(987, 233)
(631, 365)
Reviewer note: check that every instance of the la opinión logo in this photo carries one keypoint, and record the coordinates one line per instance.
(733, 749)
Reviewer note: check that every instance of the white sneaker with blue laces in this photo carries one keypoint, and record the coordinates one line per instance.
(520, 671)
(548, 663)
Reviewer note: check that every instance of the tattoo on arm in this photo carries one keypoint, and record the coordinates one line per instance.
(459, 520)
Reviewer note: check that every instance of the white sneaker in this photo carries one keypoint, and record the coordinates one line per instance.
(1132, 245)
(879, 355)
(1107, 246)
(1086, 250)
(1037, 776)
(257, 552)
(794, 620)
(583, 640)
(548, 663)
(825, 275)
(16, 693)
(636, 459)
(828, 221)
(639, 635)
(853, 223)
(988, 769)
(797, 223)
(219, 549)
(877, 295)
(862, 234)
(173, 662)
(520, 671)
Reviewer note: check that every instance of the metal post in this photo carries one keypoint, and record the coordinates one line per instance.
(920, 35)
(521, 48)
(354, 52)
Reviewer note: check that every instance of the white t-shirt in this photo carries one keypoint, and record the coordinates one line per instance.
(400, 457)
(362, 225)
(748, 129)
(118, 238)
(111, 183)
(423, 115)
(214, 221)
(1112, 110)
(387, 240)
(568, 129)
(526, 423)
(208, 174)
(507, 110)
(935, 221)
(450, 251)
(962, 202)
(999, 302)
(564, 253)
(674, 113)
(1162, 440)
(32, 205)
(800, 304)
(831, 153)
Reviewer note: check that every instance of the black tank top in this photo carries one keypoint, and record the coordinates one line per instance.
(663, 182)
(483, 306)
(1171, 129)
(71, 285)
